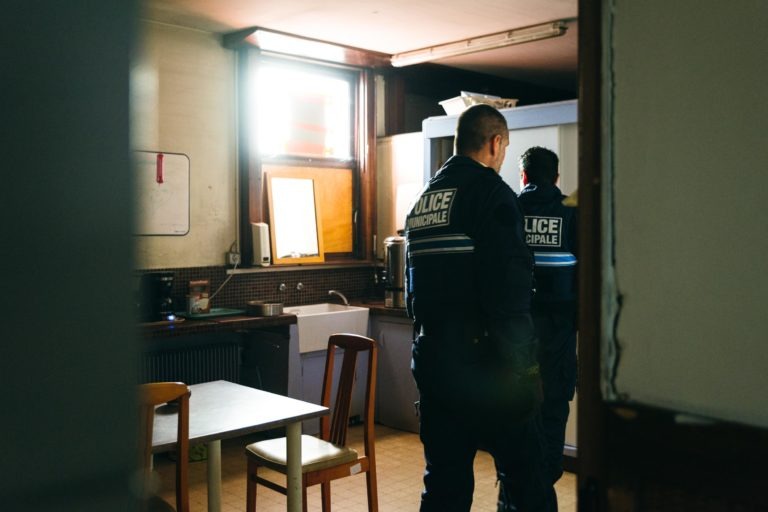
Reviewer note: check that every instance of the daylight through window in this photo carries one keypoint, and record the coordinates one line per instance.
(302, 113)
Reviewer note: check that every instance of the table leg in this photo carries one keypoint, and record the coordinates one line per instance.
(214, 476)
(293, 469)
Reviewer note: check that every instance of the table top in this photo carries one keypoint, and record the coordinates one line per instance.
(222, 410)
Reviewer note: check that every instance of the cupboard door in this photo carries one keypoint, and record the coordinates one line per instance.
(396, 390)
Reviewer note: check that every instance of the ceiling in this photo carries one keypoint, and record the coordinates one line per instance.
(393, 26)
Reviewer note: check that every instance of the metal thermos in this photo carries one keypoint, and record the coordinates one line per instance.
(394, 272)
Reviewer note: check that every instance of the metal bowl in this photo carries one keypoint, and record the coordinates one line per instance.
(261, 308)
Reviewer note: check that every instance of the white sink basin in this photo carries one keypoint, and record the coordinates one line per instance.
(316, 323)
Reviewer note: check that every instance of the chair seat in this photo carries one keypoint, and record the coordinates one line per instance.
(316, 454)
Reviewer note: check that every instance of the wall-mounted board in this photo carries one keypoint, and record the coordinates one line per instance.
(162, 193)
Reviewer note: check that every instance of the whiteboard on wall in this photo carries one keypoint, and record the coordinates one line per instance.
(162, 193)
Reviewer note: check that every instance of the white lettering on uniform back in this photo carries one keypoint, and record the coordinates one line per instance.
(543, 231)
(431, 210)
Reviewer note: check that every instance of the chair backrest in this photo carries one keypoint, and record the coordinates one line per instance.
(150, 396)
(334, 429)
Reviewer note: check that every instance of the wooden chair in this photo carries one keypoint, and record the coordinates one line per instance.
(327, 458)
(150, 396)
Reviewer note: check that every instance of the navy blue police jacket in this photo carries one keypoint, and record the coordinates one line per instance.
(551, 232)
(466, 251)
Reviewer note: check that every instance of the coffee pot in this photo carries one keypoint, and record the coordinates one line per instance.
(394, 272)
(156, 303)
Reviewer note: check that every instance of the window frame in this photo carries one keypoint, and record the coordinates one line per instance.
(252, 186)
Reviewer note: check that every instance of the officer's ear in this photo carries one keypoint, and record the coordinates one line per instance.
(523, 177)
(496, 142)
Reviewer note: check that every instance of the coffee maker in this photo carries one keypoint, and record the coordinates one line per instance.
(155, 301)
(394, 272)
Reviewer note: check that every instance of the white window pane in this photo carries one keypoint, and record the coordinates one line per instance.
(302, 113)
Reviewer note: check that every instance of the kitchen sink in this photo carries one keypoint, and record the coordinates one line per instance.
(316, 323)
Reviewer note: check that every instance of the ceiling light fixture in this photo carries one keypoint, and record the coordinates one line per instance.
(269, 40)
(481, 43)
(273, 41)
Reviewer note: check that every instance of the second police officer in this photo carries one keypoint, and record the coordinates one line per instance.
(551, 231)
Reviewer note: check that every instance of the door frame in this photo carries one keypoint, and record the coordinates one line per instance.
(633, 457)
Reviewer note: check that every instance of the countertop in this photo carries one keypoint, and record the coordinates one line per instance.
(376, 307)
(222, 323)
(230, 323)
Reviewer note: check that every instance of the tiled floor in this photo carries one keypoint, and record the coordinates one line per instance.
(399, 467)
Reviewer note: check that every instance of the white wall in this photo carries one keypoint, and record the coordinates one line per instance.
(399, 176)
(183, 100)
(689, 154)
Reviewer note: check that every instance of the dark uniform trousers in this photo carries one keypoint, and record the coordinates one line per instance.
(556, 330)
(458, 375)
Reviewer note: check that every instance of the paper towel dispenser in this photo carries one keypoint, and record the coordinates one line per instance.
(260, 238)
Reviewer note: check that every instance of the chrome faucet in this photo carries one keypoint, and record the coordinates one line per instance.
(341, 295)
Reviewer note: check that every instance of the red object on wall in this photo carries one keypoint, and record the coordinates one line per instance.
(159, 174)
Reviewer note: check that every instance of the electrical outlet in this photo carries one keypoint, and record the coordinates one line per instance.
(233, 258)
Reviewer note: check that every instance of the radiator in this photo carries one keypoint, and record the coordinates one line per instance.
(193, 365)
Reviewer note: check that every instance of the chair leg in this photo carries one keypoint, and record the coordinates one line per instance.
(373, 496)
(304, 493)
(325, 493)
(250, 493)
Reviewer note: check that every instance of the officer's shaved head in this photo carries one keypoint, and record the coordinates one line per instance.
(477, 125)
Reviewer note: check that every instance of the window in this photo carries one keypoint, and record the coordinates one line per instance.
(304, 116)
(301, 120)
(309, 121)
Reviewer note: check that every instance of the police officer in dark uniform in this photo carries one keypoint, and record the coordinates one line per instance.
(551, 231)
(469, 286)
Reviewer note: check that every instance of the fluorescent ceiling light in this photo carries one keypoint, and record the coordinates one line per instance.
(293, 45)
(273, 41)
(481, 43)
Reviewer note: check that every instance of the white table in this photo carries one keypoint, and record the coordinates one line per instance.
(222, 410)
